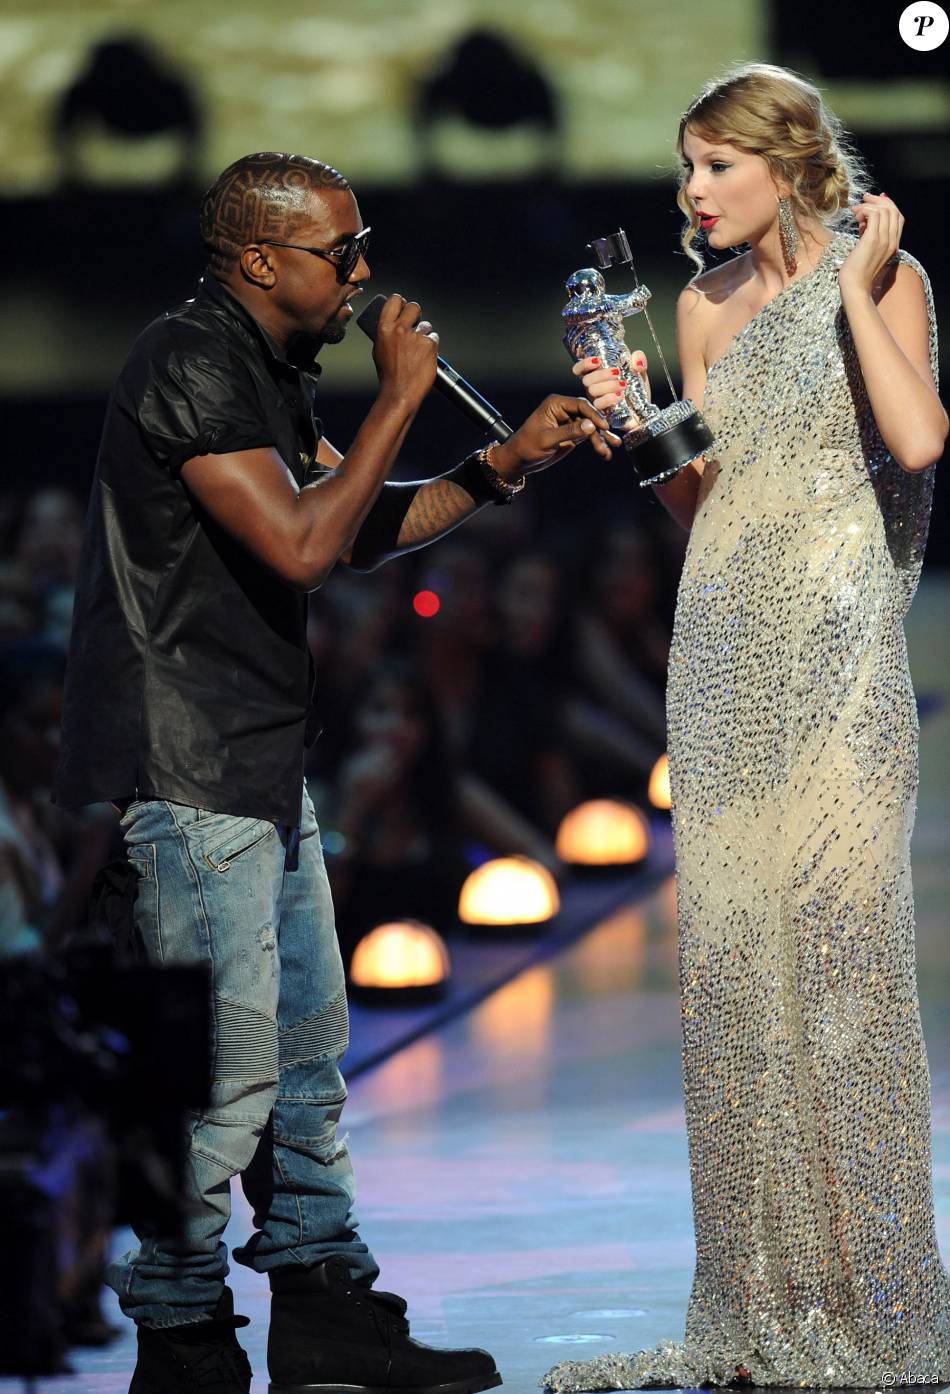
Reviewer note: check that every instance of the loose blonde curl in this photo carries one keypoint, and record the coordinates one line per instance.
(770, 111)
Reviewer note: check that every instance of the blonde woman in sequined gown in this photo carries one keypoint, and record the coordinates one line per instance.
(793, 757)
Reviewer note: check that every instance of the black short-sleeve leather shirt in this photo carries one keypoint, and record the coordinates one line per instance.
(189, 676)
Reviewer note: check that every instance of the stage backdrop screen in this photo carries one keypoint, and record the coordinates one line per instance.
(389, 89)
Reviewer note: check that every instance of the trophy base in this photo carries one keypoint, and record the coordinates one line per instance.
(666, 443)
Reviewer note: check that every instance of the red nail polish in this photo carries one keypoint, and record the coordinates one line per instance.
(616, 372)
(622, 382)
(596, 362)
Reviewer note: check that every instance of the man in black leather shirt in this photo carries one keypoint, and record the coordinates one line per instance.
(217, 505)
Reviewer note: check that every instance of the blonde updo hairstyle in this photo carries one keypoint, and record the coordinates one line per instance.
(766, 110)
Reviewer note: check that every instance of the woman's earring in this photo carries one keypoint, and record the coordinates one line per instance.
(788, 235)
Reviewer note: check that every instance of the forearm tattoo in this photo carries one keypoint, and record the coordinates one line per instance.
(438, 507)
(407, 516)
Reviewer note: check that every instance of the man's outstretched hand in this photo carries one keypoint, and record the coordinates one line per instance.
(552, 431)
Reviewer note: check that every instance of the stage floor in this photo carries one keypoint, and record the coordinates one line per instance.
(523, 1171)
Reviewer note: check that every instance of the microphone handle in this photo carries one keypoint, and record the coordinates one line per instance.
(463, 395)
(459, 392)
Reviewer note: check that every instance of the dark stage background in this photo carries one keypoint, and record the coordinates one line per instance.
(487, 143)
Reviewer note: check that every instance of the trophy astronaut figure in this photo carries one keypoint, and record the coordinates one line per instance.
(660, 440)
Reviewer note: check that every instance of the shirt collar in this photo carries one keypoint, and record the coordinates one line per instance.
(210, 286)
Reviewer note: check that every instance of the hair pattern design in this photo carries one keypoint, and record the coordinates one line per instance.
(261, 196)
(769, 111)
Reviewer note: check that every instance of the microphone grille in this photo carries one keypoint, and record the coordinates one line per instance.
(368, 321)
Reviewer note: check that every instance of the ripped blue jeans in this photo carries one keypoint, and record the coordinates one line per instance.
(251, 901)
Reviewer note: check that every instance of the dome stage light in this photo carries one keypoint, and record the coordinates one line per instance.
(509, 893)
(402, 961)
(603, 833)
(659, 789)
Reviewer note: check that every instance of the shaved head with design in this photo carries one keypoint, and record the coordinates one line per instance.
(267, 195)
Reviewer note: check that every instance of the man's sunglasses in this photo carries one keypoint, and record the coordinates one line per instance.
(344, 256)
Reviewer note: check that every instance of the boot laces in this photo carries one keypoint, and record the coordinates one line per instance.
(388, 1309)
(391, 1308)
(218, 1365)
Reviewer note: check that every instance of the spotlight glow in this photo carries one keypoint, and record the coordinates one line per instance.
(426, 604)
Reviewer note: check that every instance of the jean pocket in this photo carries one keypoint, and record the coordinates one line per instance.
(143, 931)
(141, 856)
(230, 838)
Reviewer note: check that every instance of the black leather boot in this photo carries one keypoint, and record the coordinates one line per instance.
(330, 1335)
(201, 1358)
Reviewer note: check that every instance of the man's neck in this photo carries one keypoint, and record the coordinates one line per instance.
(259, 307)
(298, 349)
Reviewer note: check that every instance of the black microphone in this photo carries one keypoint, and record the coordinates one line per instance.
(459, 392)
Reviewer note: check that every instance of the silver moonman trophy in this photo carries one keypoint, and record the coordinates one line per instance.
(661, 440)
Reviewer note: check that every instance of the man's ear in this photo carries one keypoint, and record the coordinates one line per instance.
(257, 267)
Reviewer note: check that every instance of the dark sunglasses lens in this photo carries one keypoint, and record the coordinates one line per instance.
(357, 247)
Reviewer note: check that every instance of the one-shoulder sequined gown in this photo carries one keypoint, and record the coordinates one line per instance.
(793, 758)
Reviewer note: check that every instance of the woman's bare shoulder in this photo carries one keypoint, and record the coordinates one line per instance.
(714, 286)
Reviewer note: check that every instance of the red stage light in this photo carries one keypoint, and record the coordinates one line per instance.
(426, 604)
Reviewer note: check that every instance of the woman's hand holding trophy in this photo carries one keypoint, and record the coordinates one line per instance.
(660, 441)
(605, 386)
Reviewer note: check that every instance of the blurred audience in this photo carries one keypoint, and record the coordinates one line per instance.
(39, 570)
(393, 817)
(48, 859)
(536, 681)
(515, 739)
(621, 646)
(455, 655)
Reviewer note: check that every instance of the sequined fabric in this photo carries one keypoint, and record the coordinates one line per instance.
(793, 759)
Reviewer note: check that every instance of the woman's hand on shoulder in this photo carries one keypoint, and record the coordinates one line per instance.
(880, 224)
(896, 288)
